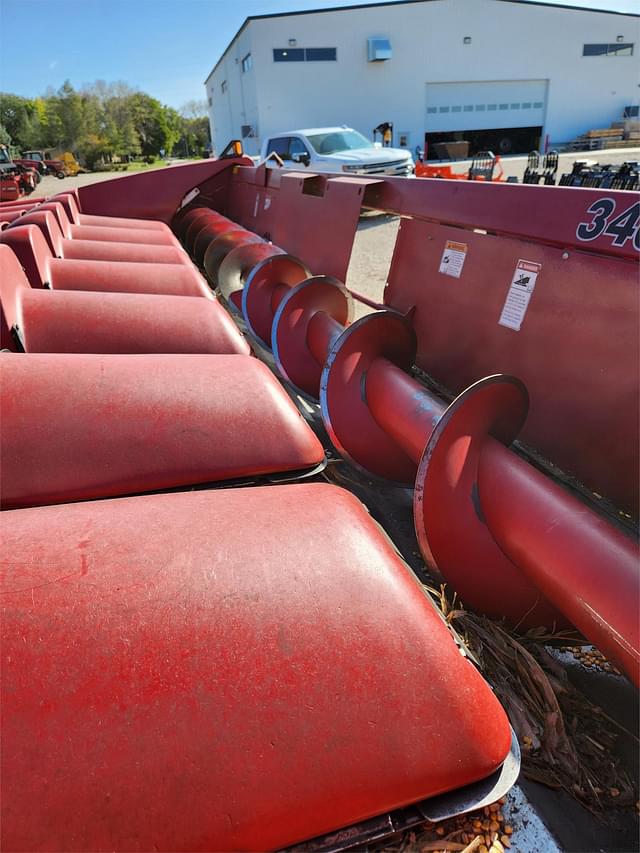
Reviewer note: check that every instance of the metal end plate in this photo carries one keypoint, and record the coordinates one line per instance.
(458, 802)
(237, 266)
(347, 419)
(217, 249)
(196, 223)
(290, 324)
(259, 289)
(447, 503)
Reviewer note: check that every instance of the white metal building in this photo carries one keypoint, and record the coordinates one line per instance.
(507, 73)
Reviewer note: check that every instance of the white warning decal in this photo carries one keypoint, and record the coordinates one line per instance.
(517, 301)
(453, 258)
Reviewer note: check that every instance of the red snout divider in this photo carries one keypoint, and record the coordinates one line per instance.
(62, 321)
(201, 671)
(93, 249)
(75, 427)
(105, 231)
(43, 269)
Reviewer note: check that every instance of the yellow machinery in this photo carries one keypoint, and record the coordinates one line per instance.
(71, 165)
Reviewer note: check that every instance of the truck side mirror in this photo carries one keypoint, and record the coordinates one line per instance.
(302, 157)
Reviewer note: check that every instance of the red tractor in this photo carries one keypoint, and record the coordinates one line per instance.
(42, 162)
(15, 179)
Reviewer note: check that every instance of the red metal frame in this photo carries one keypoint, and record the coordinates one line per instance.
(157, 194)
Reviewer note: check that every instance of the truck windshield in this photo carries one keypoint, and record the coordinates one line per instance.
(4, 156)
(32, 155)
(338, 140)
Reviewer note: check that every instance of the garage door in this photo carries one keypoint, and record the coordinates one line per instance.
(485, 105)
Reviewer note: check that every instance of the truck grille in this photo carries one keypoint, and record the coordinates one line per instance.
(396, 167)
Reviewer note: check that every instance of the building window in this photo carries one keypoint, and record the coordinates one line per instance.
(607, 49)
(210, 99)
(620, 50)
(223, 87)
(321, 54)
(247, 63)
(305, 54)
(288, 54)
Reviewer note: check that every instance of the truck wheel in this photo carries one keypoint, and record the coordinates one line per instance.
(60, 175)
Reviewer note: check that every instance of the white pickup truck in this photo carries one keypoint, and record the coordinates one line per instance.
(335, 149)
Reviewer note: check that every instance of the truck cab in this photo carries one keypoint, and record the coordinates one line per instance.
(335, 149)
(43, 161)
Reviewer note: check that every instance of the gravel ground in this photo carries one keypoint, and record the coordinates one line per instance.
(515, 165)
(371, 258)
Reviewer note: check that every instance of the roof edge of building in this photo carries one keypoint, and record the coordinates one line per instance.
(247, 21)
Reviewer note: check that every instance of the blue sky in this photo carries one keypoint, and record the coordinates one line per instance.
(164, 47)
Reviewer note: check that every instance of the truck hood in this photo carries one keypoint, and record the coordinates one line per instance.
(368, 155)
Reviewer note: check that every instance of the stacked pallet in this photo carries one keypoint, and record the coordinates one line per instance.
(621, 134)
(630, 129)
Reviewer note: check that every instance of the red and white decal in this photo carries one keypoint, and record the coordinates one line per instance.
(515, 306)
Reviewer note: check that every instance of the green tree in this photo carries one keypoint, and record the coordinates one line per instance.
(150, 121)
(195, 137)
(93, 149)
(194, 140)
(194, 109)
(5, 136)
(71, 113)
(130, 141)
(174, 128)
(52, 127)
(102, 120)
(15, 115)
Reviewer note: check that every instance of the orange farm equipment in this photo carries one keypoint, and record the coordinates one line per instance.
(485, 166)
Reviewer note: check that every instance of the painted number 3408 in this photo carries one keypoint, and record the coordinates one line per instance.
(621, 228)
